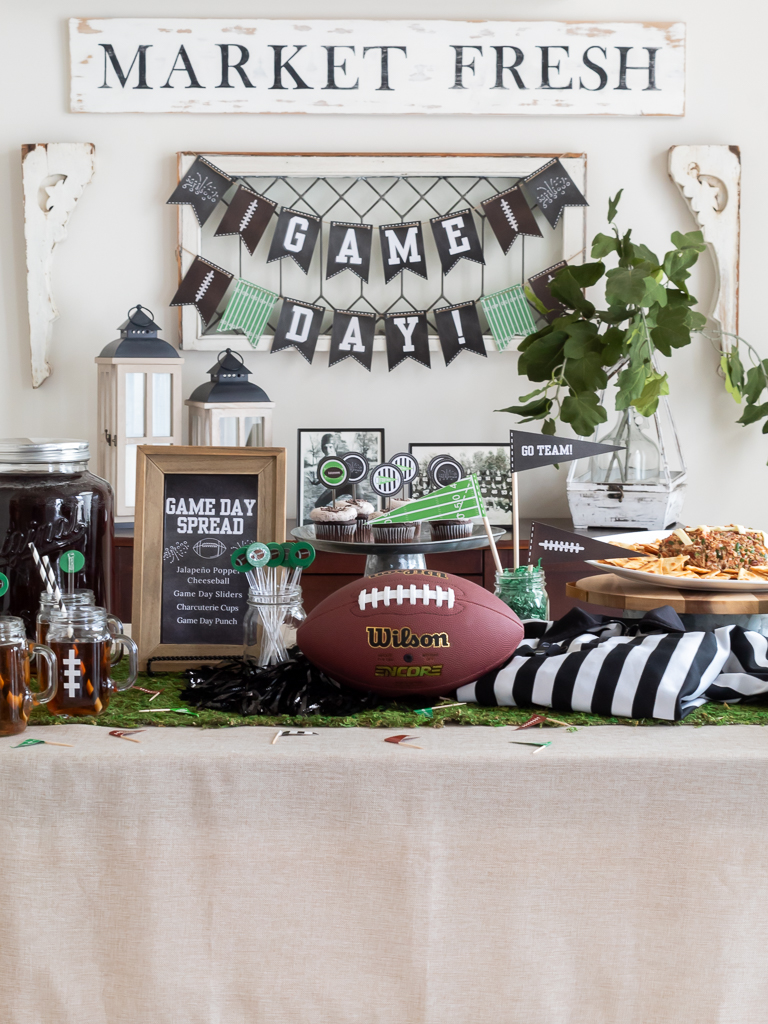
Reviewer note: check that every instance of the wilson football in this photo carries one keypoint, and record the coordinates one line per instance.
(410, 631)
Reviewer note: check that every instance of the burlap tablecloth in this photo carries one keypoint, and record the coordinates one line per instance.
(619, 876)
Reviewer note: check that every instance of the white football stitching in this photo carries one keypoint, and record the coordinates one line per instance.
(400, 593)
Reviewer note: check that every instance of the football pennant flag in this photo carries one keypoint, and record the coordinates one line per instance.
(508, 315)
(529, 451)
(552, 545)
(510, 215)
(461, 500)
(203, 287)
(201, 188)
(552, 188)
(248, 310)
(248, 216)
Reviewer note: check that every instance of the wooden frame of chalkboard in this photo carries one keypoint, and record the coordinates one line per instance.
(194, 506)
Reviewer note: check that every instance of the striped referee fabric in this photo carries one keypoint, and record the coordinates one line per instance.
(248, 310)
(665, 675)
(509, 315)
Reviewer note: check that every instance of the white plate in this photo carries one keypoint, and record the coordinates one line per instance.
(677, 582)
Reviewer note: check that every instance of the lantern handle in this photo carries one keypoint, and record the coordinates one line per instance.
(139, 307)
(229, 352)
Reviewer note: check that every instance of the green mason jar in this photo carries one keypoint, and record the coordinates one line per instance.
(524, 590)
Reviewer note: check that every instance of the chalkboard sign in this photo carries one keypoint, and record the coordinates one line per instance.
(194, 507)
(206, 519)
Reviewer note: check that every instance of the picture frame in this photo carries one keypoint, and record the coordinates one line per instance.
(490, 462)
(194, 507)
(311, 447)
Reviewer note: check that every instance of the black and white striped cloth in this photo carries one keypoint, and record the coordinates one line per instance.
(649, 668)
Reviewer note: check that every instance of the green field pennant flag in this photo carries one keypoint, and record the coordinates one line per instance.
(248, 310)
(509, 315)
(461, 500)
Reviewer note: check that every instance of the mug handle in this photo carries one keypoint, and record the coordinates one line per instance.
(116, 629)
(53, 676)
(133, 661)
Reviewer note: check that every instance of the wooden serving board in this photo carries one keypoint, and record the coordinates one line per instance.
(614, 592)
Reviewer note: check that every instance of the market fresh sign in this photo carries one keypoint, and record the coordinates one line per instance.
(214, 66)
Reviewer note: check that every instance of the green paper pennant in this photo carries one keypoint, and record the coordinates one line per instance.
(28, 743)
(248, 310)
(461, 500)
(508, 314)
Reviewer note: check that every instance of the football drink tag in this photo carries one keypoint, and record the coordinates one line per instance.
(456, 239)
(529, 451)
(458, 328)
(349, 248)
(407, 337)
(203, 287)
(402, 248)
(386, 480)
(295, 236)
(201, 188)
(539, 285)
(552, 545)
(298, 327)
(552, 189)
(248, 215)
(352, 335)
(509, 216)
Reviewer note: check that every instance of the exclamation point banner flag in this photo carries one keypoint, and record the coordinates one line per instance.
(298, 327)
(508, 314)
(349, 248)
(201, 188)
(539, 285)
(248, 215)
(461, 500)
(402, 248)
(552, 545)
(295, 236)
(458, 328)
(248, 310)
(552, 188)
(529, 451)
(510, 215)
(407, 336)
(203, 287)
(456, 239)
(352, 335)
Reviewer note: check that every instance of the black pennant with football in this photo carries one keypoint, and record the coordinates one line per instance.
(248, 215)
(539, 285)
(552, 188)
(298, 327)
(528, 450)
(402, 248)
(407, 337)
(552, 545)
(509, 216)
(456, 239)
(458, 328)
(295, 236)
(349, 248)
(352, 336)
(203, 286)
(201, 188)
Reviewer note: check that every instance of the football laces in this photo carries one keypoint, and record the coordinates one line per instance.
(402, 595)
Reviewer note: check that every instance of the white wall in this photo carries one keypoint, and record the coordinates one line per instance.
(120, 248)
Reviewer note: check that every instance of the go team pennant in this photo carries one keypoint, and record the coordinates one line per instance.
(248, 310)
(298, 327)
(402, 248)
(458, 328)
(552, 545)
(510, 215)
(529, 451)
(203, 287)
(295, 236)
(407, 337)
(201, 188)
(248, 215)
(352, 335)
(461, 500)
(456, 239)
(349, 248)
(552, 188)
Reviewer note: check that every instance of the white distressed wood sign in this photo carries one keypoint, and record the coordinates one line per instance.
(214, 66)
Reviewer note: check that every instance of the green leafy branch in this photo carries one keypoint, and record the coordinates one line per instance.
(575, 356)
(744, 382)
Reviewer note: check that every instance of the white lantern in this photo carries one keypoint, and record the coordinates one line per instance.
(139, 403)
(228, 409)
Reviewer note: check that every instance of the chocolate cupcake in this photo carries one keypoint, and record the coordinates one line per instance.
(451, 529)
(392, 533)
(364, 509)
(334, 522)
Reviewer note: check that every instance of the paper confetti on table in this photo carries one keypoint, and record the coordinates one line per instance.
(34, 743)
(539, 746)
(403, 739)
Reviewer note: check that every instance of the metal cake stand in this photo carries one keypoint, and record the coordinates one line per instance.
(404, 555)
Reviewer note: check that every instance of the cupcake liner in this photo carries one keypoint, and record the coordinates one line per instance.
(335, 531)
(393, 533)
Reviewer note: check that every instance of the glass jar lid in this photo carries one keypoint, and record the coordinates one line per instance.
(42, 451)
(12, 628)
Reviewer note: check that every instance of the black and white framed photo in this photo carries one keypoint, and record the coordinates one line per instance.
(316, 444)
(489, 461)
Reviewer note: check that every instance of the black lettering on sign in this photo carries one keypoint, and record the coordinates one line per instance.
(205, 519)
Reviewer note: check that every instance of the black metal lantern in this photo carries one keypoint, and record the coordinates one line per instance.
(228, 409)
